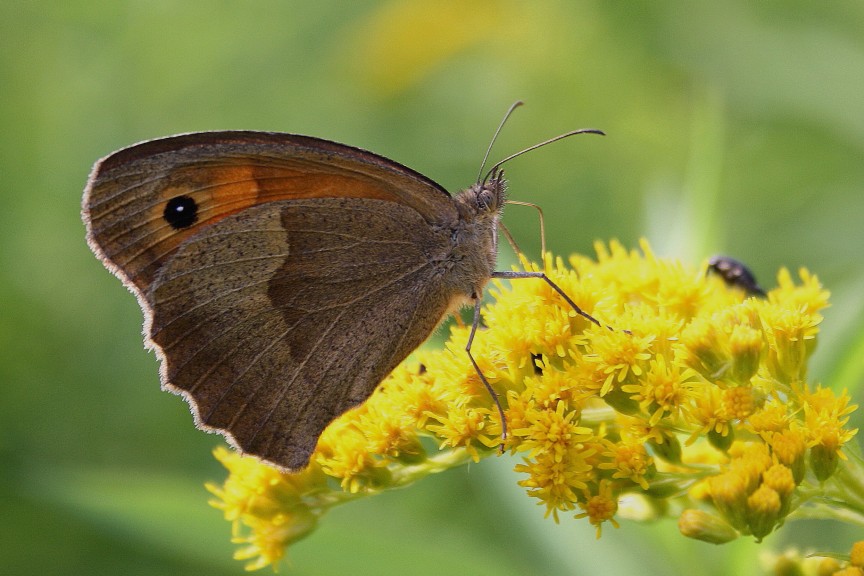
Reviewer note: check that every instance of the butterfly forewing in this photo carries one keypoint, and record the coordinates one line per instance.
(224, 173)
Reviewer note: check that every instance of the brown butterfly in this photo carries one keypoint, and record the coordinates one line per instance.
(282, 277)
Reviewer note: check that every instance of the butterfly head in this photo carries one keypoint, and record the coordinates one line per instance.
(485, 199)
(470, 258)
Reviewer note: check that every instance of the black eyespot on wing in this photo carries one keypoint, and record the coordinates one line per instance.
(181, 212)
(735, 273)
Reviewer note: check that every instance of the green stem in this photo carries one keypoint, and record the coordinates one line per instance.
(848, 485)
(440, 462)
(402, 476)
(828, 511)
(840, 498)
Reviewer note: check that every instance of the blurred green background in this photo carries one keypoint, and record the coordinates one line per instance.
(733, 127)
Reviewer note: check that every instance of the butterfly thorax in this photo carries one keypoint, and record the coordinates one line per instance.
(474, 237)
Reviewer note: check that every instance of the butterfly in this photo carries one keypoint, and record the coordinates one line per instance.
(282, 277)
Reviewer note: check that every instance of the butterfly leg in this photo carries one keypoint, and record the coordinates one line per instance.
(542, 275)
(513, 275)
(474, 324)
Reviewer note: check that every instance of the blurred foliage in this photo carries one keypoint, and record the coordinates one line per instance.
(733, 127)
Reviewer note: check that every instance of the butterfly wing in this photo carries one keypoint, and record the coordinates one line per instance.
(223, 173)
(275, 320)
(303, 279)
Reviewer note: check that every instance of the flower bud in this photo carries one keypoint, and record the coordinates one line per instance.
(706, 527)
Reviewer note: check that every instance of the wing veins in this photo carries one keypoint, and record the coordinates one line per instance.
(234, 381)
(222, 360)
(246, 286)
(297, 372)
(156, 230)
(178, 293)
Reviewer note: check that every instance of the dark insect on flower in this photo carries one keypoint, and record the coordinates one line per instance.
(735, 273)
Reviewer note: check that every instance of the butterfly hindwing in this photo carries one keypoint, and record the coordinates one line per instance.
(263, 339)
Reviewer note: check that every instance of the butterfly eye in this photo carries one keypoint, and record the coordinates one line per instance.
(486, 198)
(181, 212)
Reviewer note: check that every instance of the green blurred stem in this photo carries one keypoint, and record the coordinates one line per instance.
(402, 476)
(849, 479)
(438, 463)
(841, 498)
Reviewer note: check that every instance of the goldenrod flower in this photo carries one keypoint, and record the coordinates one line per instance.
(792, 561)
(629, 460)
(788, 448)
(601, 507)
(825, 419)
(666, 391)
(699, 395)
(558, 483)
(269, 510)
(856, 557)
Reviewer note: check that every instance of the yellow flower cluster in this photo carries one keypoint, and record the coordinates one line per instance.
(699, 393)
(794, 562)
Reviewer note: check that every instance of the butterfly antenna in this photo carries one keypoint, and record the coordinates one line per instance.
(495, 136)
(535, 146)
